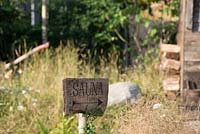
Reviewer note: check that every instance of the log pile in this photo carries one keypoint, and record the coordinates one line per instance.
(170, 68)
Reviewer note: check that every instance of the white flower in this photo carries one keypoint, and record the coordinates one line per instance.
(2, 88)
(19, 71)
(23, 91)
(34, 104)
(34, 100)
(11, 108)
(20, 107)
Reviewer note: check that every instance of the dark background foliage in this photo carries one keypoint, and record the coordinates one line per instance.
(100, 26)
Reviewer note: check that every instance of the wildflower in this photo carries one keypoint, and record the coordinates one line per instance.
(20, 107)
(34, 104)
(34, 100)
(11, 108)
(23, 92)
(20, 71)
(2, 88)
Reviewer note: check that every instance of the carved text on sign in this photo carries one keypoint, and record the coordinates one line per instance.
(89, 89)
(85, 95)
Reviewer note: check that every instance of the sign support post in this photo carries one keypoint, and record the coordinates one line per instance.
(82, 119)
(85, 95)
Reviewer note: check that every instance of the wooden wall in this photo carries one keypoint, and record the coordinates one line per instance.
(190, 44)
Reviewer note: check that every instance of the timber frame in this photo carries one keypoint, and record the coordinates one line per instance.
(181, 63)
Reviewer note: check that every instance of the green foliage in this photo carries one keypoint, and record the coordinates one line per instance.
(66, 126)
(42, 128)
(100, 26)
(4, 101)
(90, 127)
(14, 26)
(158, 30)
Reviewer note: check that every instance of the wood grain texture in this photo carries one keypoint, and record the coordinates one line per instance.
(170, 48)
(180, 39)
(192, 56)
(192, 38)
(169, 64)
(189, 14)
(171, 83)
(192, 76)
(192, 66)
(85, 95)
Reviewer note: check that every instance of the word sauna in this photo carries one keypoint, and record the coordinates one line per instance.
(87, 89)
(85, 95)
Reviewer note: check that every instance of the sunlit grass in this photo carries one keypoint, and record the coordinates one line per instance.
(35, 97)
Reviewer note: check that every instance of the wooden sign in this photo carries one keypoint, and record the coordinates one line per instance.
(85, 95)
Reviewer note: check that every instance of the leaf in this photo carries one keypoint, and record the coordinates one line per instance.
(146, 23)
(42, 128)
(137, 18)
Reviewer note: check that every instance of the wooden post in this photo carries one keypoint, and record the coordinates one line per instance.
(81, 123)
(181, 32)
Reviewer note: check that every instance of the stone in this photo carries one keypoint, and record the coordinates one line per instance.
(122, 93)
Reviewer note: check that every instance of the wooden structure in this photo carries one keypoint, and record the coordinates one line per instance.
(181, 63)
(190, 50)
(170, 65)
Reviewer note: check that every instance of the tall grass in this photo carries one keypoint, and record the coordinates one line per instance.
(35, 102)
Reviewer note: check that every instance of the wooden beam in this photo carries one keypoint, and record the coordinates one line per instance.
(180, 39)
(169, 48)
(192, 66)
(192, 36)
(171, 83)
(169, 64)
(192, 56)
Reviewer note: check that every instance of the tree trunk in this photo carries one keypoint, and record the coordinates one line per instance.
(44, 21)
(32, 13)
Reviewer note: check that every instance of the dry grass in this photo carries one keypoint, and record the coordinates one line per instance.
(42, 80)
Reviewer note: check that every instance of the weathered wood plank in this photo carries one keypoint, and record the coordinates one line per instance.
(85, 95)
(191, 37)
(180, 39)
(174, 56)
(171, 83)
(169, 64)
(191, 56)
(192, 66)
(189, 14)
(192, 46)
(169, 48)
(194, 77)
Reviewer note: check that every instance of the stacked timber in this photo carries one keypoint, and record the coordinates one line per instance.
(170, 68)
